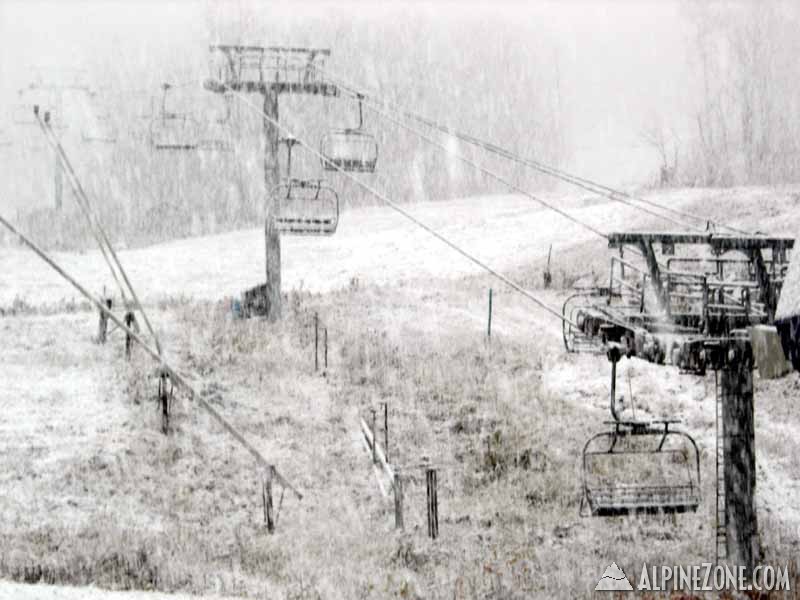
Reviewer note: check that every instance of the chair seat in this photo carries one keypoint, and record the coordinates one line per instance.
(619, 500)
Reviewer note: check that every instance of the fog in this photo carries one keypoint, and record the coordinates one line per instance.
(597, 88)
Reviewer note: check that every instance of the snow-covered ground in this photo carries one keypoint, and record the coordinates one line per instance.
(19, 591)
(373, 245)
(58, 418)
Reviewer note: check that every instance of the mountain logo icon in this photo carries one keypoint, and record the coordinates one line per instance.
(613, 580)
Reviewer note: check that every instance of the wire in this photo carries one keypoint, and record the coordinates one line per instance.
(80, 192)
(406, 214)
(174, 375)
(586, 184)
(85, 210)
(488, 172)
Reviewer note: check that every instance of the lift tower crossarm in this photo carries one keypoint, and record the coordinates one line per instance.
(721, 243)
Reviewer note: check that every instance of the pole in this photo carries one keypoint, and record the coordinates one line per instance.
(489, 327)
(738, 429)
(398, 501)
(272, 238)
(102, 330)
(58, 182)
(325, 332)
(180, 380)
(316, 342)
(130, 319)
(266, 496)
(433, 504)
(386, 431)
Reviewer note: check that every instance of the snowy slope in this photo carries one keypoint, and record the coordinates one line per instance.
(374, 245)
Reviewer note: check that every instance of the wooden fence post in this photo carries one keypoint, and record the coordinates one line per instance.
(129, 321)
(266, 497)
(433, 503)
(398, 500)
(102, 326)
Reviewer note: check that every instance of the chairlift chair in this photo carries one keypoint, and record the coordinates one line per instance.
(304, 206)
(350, 149)
(173, 131)
(101, 130)
(639, 466)
(217, 136)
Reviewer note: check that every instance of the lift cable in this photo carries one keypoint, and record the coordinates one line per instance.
(586, 184)
(81, 193)
(452, 152)
(247, 102)
(177, 377)
(87, 214)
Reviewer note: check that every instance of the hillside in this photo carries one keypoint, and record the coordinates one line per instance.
(96, 495)
(379, 246)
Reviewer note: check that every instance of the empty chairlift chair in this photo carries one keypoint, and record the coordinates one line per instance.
(304, 206)
(216, 133)
(101, 130)
(171, 130)
(99, 127)
(639, 466)
(352, 149)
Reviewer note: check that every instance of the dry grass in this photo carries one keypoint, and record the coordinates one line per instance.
(504, 421)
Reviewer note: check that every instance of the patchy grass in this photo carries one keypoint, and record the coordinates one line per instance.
(99, 496)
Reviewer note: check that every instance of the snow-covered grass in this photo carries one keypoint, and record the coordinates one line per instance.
(98, 495)
(375, 245)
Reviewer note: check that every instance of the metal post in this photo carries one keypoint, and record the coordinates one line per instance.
(489, 327)
(266, 498)
(398, 500)
(739, 454)
(272, 238)
(433, 504)
(316, 342)
(325, 337)
(386, 431)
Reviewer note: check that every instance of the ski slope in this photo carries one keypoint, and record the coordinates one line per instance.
(373, 245)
